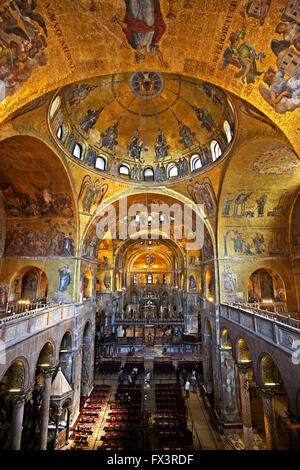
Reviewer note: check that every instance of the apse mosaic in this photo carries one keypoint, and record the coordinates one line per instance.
(144, 126)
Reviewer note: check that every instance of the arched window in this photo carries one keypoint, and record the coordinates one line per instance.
(135, 278)
(124, 170)
(195, 162)
(149, 174)
(149, 279)
(215, 150)
(59, 133)
(172, 170)
(227, 130)
(100, 163)
(54, 107)
(62, 132)
(78, 151)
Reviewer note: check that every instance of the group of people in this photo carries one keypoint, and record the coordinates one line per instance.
(187, 382)
(131, 377)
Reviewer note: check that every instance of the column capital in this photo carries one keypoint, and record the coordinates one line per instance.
(244, 367)
(18, 399)
(267, 392)
(48, 371)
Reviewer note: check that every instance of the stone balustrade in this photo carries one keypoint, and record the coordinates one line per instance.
(17, 327)
(281, 330)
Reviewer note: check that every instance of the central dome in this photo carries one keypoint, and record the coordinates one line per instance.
(143, 126)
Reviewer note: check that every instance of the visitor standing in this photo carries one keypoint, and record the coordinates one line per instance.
(187, 388)
(121, 376)
(148, 377)
(194, 382)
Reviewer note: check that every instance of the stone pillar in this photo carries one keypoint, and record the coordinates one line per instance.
(18, 401)
(68, 424)
(47, 373)
(86, 369)
(208, 371)
(246, 406)
(269, 418)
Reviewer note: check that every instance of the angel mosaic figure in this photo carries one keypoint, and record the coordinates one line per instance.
(242, 55)
(91, 193)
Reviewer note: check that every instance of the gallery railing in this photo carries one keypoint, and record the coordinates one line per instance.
(17, 326)
(286, 319)
(281, 330)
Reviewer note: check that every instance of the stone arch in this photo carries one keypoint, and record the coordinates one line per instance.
(21, 284)
(265, 284)
(18, 377)
(47, 354)
(242, 350)
(225, 339)
(66, 355)
(268, 372)
(207, 327)
(209, 287)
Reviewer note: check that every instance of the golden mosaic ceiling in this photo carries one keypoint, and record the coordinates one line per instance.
(235, 45)
(146, 117)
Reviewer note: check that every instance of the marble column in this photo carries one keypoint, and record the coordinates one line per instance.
(47, 373)
(208, 371)
(18, 401)
(269, 418)
(86, 368)
(246, 406)
(68, 424)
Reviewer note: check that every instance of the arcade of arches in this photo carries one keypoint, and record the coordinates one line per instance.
(149, 217)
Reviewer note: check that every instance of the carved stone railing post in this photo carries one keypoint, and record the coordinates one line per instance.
(246, 406)
(269, 418)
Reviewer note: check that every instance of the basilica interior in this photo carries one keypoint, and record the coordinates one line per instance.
(149, 225)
